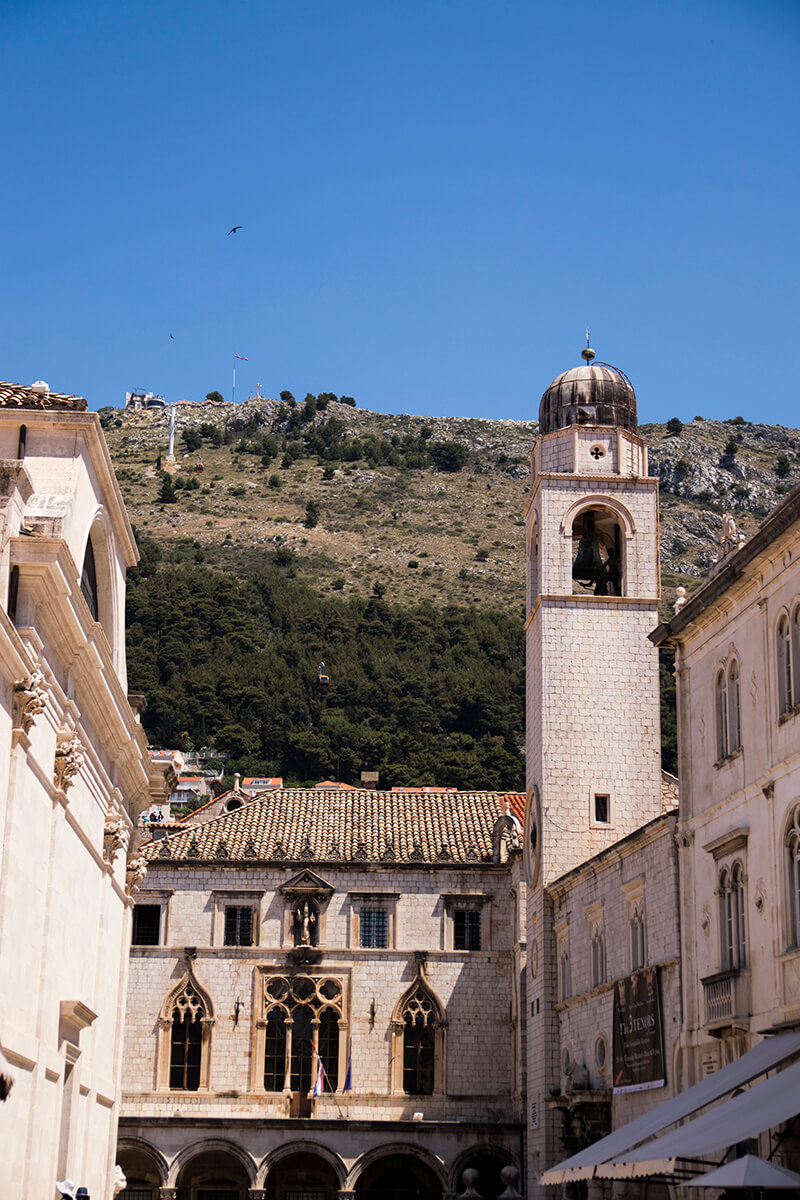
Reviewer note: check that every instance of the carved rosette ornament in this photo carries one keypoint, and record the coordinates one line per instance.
(69, 760)
(115, 837)
(134, 875)
(30, 699)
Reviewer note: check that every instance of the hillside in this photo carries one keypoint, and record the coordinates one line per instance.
(396, 506)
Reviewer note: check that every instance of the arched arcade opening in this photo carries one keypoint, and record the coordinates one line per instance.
(398, 1177)
(302, 1176)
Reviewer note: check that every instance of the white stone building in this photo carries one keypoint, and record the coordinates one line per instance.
(377, 933)
(737, 642)
(74, 775)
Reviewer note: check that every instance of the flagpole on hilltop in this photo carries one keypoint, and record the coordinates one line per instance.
(242, 358)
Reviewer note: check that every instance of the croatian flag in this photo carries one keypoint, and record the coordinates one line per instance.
(241, 358)
(348, 1081)
(319, 1081)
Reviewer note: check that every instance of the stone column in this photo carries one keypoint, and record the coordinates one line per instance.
(167, 1194)
(256, 1194)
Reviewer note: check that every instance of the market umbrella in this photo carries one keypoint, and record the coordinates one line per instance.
(749, 1171)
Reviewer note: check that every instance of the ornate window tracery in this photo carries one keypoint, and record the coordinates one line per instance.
(302, 1026)
(185, 1037)
(418, 1040)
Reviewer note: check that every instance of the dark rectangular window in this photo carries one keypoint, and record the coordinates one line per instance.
(238, 925)
(602, 809)
(467, 929)
(374, 928)
(146, 925)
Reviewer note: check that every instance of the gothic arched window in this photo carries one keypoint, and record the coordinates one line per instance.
(734, 712)
(598, 955)
(418, 1043)
(636, 924)
(185, 1042)
(419, 1047)
(303, 1021)
(792, 845)
(732, 917)
(787, 665)
(722, 715)
(727, 701)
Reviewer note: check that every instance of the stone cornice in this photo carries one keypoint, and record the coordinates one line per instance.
(86, 426)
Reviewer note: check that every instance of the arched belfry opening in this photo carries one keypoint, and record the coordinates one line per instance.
(598, 553)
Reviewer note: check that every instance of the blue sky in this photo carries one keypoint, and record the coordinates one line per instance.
(437, 196)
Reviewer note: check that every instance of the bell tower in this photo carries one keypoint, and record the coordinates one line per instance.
(592, 694)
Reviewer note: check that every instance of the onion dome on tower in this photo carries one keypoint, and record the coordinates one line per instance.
(595, 394)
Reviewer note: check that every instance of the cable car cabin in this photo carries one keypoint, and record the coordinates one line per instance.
(322, 682)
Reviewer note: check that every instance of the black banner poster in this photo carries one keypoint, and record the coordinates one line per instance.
(638, 1044)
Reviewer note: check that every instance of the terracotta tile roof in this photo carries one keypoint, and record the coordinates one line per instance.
(516, 802)
(19, 395)
(370, 826)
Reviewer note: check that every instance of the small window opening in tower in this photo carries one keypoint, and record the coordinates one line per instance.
(602, 809)
(597, 548)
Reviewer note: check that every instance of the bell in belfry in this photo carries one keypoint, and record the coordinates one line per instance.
(588, 567)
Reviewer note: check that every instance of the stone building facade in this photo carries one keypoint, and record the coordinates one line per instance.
(737, 642)
(375, 937)
(74, 776)
(616, 920)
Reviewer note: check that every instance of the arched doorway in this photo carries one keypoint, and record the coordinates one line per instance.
(213, 1175)
(302, 1176)
(398, 1177)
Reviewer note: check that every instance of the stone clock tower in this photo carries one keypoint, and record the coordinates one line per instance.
(592, 696)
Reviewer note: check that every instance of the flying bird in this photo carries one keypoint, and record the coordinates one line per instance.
(230, 231)
(172, 335)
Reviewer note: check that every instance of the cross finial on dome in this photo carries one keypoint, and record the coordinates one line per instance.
(587, 354)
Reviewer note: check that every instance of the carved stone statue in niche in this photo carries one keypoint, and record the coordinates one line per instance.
(305, 924)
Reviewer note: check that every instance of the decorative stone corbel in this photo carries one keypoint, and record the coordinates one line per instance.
(134, 874)
(119, 1179)
(68, 761)
(30, 699)
(115, 837)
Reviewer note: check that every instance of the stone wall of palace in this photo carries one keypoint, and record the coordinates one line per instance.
(74, 776)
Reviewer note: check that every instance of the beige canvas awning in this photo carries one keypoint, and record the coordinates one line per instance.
(619, 1146)
(762, 1107)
